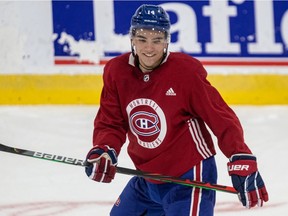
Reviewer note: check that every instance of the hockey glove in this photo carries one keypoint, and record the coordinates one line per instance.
(102, 163)
(247, 180)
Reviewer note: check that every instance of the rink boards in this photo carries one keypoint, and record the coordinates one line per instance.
(86, 89)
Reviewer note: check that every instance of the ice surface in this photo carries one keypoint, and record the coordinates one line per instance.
(32, 187)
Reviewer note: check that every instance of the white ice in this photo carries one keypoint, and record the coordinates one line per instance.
(33, 187)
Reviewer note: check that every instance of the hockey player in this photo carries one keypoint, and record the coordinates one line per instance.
(162, 102)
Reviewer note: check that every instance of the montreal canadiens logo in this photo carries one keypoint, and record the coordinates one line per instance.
(144, 123)
(147, 122)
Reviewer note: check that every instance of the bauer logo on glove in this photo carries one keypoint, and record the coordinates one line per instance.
(247, 180)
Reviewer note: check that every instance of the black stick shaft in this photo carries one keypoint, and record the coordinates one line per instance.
(122, 170)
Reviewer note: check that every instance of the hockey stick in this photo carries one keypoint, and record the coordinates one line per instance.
(122, 170)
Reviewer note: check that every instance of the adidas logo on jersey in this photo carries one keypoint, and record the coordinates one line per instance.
(170, 92)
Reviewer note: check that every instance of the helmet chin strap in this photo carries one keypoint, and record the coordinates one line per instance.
(146, 68)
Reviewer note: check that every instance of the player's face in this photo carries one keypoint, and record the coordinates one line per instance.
(149, 46)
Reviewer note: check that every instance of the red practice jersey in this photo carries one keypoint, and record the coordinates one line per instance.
(163, 113)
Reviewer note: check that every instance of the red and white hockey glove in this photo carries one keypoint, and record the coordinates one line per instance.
(102, 163)
(247, 180)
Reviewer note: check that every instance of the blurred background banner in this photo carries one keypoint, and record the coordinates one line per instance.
(53, 52)
(218, 32)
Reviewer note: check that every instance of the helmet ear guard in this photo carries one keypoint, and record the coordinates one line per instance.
(134, 50)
